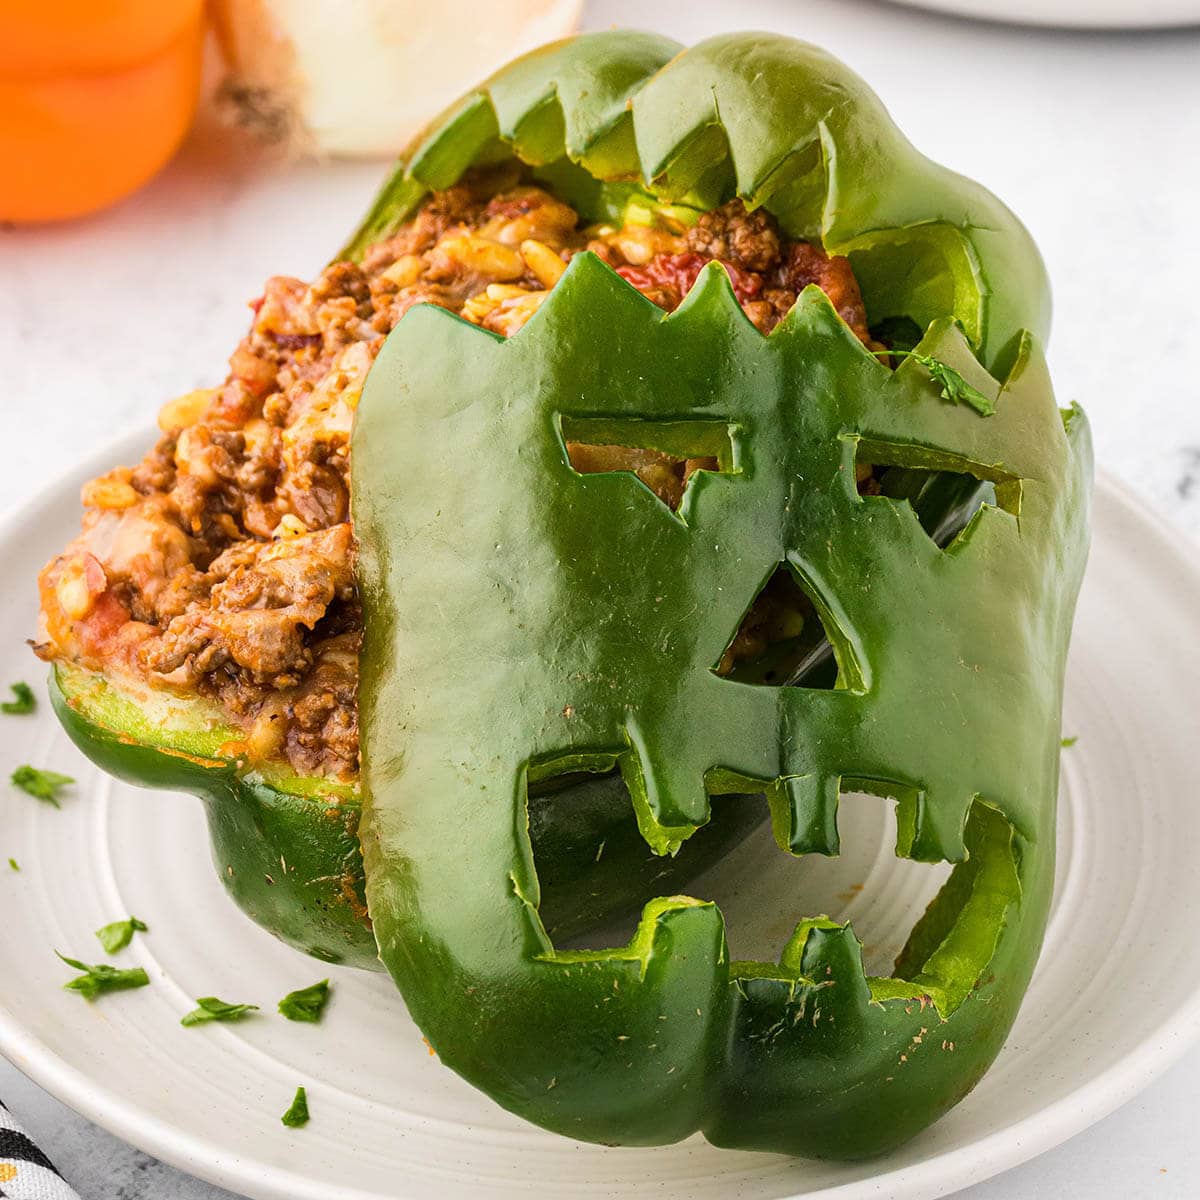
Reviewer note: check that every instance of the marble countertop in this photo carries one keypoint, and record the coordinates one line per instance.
(1091, 138)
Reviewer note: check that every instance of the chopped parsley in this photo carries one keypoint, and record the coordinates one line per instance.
(12, 862)
(44, 785)
(297, 1115)
(22, 702)
(212, 1009)
(1068, 742)
(953, 386)
(306, 1004)
(100, 977)
(119, 934)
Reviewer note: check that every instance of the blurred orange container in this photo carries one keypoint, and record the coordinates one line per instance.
(95, 96)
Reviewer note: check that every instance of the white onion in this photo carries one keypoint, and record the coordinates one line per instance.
(360, 77)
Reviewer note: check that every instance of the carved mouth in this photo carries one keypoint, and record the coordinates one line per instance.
(927, 929)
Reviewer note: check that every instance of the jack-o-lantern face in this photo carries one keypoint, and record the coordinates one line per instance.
(525, 620)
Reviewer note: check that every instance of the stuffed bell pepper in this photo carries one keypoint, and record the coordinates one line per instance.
(670, 434)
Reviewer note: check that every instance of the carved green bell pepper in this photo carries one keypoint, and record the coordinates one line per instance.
(523, 621)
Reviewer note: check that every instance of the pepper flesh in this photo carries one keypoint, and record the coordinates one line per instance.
(573, 649)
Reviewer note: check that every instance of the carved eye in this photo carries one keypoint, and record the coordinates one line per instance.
(944, 490)
(664, 455)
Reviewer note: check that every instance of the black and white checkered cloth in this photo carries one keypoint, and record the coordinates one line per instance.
(25, 1172)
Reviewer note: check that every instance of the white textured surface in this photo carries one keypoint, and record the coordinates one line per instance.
(1089, 137)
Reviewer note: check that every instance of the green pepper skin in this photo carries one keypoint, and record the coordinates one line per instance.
(571, 648)
(286, 847)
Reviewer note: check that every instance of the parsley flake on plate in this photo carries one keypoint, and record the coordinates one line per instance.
(44, 785)
(306, 1004)
(297, 1115)
(100, 977)
(119, 934)
(211, 1009)
(22, 702)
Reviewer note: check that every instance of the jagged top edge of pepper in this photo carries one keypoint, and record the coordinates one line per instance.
(602, 117)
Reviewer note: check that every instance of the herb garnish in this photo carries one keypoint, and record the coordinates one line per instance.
(297, 1115)
(212, 1009)
(119, 934)
(954, 387)
(100, 977)
(23, 702)
(306, 1004)
(12, 862)
(1068, 742)
(42, 784)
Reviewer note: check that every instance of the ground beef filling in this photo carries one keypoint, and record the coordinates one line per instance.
(222, 565)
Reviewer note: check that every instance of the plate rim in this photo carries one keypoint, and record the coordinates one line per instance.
(951, 1170)
(1030, 15)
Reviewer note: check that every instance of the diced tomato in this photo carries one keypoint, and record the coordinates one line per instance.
(676, 273)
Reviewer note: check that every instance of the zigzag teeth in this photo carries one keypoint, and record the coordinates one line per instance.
(588, 284)
(832, 953)
(440, 158)
(829, 954)
(665, 786)
(931, 829)
(424, 321)
(813, 314)
(576, 74)
(711, 298)
(804, 814)
(945, 340)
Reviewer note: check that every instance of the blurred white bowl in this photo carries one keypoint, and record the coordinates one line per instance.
(1077, 14)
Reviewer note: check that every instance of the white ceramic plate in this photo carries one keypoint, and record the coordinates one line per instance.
(1079, 14)
(1115, 1000)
